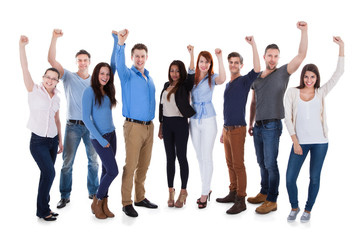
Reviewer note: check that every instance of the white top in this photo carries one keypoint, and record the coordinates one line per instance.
(308, 122)
(292, 98)
(42, 111)
(169, 107)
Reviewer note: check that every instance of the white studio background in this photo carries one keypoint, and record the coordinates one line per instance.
(167, 27)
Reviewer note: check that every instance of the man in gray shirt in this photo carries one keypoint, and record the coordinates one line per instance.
(267, 109)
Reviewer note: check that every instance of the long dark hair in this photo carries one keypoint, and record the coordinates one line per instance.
(209, 58)
(183, 75)
(312, 68)
(109, 88)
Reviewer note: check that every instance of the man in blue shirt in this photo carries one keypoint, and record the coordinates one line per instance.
(234, 131)
(74, 86)
(138, 98)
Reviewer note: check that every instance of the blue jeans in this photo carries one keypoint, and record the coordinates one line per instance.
(266, 141)
(109, 166)
(73, 135)
(317, 157)
(44, 151)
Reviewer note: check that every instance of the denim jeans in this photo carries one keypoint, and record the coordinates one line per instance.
(44, 151)
(109, 166)
(266, 141)
(73, 135)
(317, 157)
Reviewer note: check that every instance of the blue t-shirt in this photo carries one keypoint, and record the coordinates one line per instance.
(74, 87)
(98, 119)
(235, 98)
(201, 96)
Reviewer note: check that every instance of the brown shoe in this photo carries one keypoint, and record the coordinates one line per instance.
(266, 207)
(106, 210)
(171, 200)
(181, 201)
(260, 198)
(228, 198)
(97, 208)
(238, 206)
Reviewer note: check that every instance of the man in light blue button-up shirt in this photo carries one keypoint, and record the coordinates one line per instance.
(138, 98)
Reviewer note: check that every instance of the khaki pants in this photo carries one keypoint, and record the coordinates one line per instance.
(138, 146)
(234, 141)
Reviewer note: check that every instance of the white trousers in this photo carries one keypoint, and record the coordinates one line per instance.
(203, 134)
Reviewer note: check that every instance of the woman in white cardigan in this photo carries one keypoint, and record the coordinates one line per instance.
(305, 120)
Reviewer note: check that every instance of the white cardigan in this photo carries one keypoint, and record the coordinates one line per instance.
(293, 94)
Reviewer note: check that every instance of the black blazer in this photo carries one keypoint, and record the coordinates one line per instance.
(182, 97)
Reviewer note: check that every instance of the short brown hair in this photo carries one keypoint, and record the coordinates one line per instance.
(235, 54)
(82, 51)
(139, 46)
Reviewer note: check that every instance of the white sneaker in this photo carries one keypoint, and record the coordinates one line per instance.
(305, 217)
(292, 215)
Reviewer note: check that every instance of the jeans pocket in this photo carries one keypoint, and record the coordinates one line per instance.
(271, 126)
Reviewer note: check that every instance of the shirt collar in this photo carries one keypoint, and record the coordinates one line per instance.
(146, 72)
(56, 91)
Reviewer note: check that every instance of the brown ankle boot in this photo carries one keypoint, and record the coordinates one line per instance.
(97, 208)
(106, 210)
(266, 207)
(229, 198)
(260, 198)
(238, 206)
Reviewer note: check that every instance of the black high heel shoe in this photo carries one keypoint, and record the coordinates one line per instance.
(201, 204)
(49, 218)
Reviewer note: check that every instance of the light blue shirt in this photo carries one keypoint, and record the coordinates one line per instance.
(98, 119)
(74, 87)
(138, 93)
(201, 96)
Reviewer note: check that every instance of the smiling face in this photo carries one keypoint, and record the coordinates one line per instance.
(104, 76)
(310, 79)
(235, 65)
(204, 65)
(83, 62)
(139, 58)
(174, 73)
(271, 58)
(50, 80)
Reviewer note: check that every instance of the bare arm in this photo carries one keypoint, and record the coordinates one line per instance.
(58, 126)
(252, 114)
(222, 76)
(256, 59)
(29, 83)
(295, 63)
(52, 52)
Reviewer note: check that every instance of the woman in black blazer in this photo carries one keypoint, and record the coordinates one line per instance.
(174, 111)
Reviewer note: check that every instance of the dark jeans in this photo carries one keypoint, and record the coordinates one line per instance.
(44, 151)
(317, 157)
(266, 141)
(176, 134)
(109, 166)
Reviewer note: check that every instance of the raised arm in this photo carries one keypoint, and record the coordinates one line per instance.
(119, 49)
(222, 76)
(113, 54)
(29, 83)
(52, 52)
(191, 51)
(256, 59)
(329, 85)
(295, 63)
(252, 113)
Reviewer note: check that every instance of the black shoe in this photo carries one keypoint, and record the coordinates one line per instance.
(54, 214)
(130, 211)
(91, 196)
(62, 203)
(146, 203)
(51, 218)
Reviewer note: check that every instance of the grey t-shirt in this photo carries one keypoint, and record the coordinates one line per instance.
(269, 94)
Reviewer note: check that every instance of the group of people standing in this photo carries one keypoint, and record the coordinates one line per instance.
(187, 94)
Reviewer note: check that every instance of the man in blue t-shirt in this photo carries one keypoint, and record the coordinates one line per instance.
(234, 131)
(75, 130)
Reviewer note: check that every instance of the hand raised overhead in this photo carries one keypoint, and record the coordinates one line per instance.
(302, 25)
(57, 33)
(23, 40)
(250, 39)
(122, 35)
